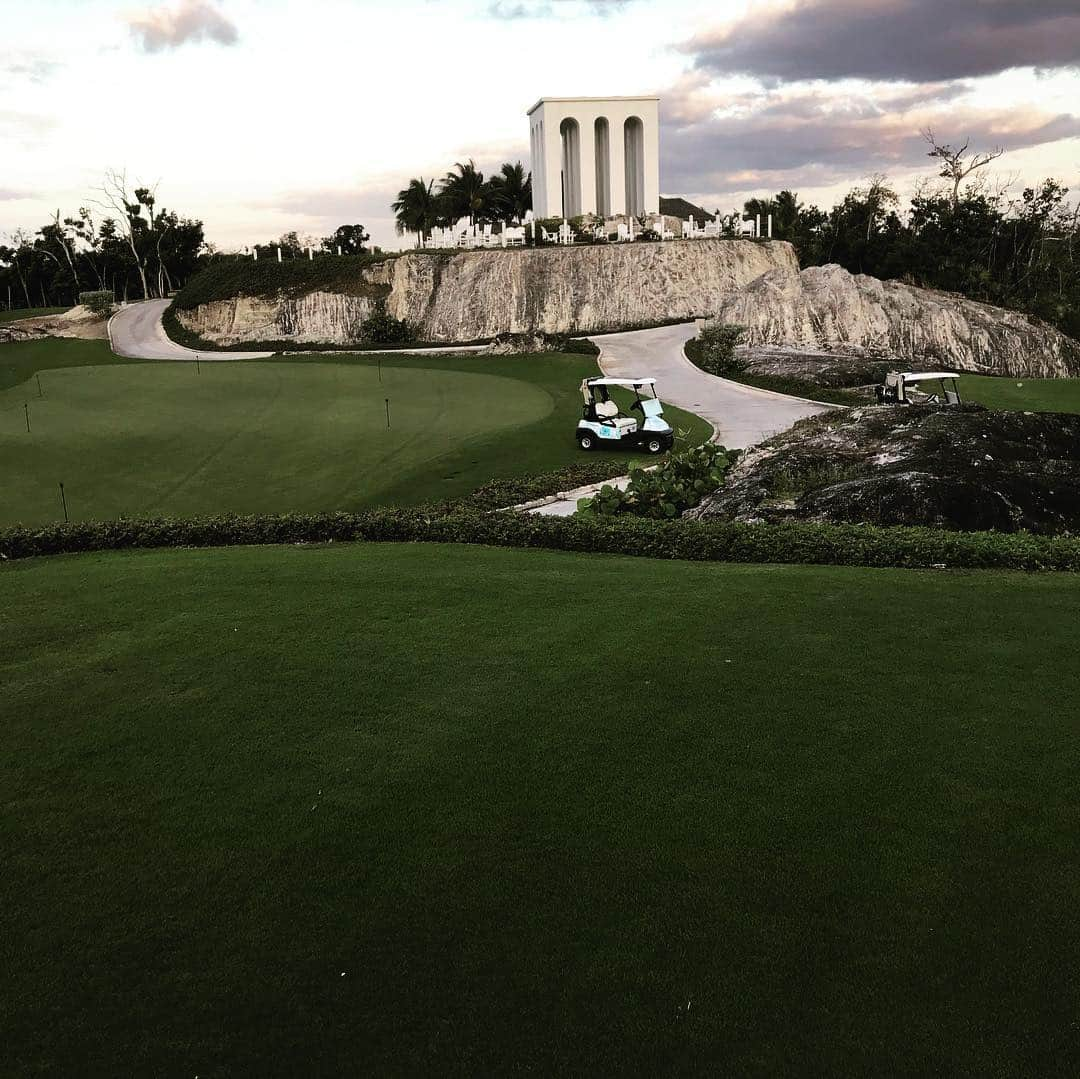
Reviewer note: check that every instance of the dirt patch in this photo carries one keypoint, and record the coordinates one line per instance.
(963, 468)
(78, 322)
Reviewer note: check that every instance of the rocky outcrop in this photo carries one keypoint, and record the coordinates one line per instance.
(314, 318)
(948, 467)
(482, 294)
(825, 307)
(79, 322)
(478, 295)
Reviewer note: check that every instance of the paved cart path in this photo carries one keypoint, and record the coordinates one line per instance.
(741, 415)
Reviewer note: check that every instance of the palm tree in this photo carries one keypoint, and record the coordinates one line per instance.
(511, 192)
(417, 207)
(464, 193)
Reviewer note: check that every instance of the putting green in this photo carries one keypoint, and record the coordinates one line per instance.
(252, 437)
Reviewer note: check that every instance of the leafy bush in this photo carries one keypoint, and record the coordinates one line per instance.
(98, 303)
(382, 328)
(709, 541)
(578, 346)
(715, 349)
(677, 485)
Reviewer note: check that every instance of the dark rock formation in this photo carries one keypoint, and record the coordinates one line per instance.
(964, 468)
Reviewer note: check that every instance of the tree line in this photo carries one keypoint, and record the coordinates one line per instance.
(122, 242)
(463, 193)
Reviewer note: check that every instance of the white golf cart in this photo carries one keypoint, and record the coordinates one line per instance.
(603, 424)
(907, 388)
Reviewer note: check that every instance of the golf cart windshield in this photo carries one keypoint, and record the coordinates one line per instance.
(936, 386)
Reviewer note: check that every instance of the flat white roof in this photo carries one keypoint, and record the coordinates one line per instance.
(915, 376)
(621, 381)
(630, 97)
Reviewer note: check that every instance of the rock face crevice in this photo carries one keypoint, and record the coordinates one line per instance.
(825, 307)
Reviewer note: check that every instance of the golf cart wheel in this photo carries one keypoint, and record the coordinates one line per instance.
(587, 440)
(654, 445)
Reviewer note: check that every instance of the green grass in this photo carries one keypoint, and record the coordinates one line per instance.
(141, 438)
(405, 810)
(31, 312)
(1024, 394)
(20, 362)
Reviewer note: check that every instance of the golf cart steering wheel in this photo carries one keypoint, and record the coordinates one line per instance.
(638, 405)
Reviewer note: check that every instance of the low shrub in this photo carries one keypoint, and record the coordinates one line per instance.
(98, 303)
(678, 484)
(714, 349)
(381, 328)
(578, 346)
(699, 541)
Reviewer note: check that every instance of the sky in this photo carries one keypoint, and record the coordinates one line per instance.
(265, 116)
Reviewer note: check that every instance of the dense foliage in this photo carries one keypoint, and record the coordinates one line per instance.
(98, 303)
(130, 248)
(1021, 253)
(381, 328)
(714, 349)
(464, 193)
(669, 489)
(702, 541)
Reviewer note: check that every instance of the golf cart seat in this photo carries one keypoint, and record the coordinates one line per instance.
(607, 412)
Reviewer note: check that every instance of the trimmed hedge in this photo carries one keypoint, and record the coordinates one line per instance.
(701, 541)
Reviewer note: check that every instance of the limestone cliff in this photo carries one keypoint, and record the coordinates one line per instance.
(314, 318)
(477, 295)
(825, 307)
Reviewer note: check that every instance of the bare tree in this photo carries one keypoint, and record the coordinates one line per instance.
(956, 166)
(65, 240)
(114, 196)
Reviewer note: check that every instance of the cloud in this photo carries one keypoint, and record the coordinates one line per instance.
(543, 9)
(160, 28)
(26, 68)
(11, 194)
(28, 126)
(816, 138)
(913, 40)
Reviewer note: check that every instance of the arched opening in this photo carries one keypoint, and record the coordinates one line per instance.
(571, 167)
(602, 140)
(634, 150)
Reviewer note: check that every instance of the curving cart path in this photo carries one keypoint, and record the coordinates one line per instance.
(741, 415)
(136, 331)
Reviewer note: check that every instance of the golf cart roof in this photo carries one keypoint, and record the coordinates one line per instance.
(621, 382)
(918, 376)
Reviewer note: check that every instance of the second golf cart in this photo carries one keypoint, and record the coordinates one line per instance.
(907, 388)
(602, 422)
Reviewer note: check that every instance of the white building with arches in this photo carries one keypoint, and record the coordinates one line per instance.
(595, 155)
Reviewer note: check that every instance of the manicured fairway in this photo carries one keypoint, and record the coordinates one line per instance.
(408, 810)
(141, 438)
(1025, 394)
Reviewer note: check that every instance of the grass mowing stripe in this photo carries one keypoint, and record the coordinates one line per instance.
(545, 812)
